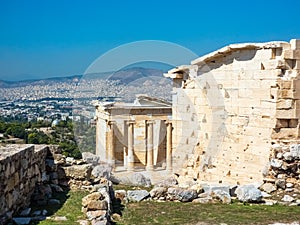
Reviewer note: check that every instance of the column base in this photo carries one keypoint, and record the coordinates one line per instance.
(149, 168)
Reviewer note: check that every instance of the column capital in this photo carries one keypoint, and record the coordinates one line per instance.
(168, 122)
(129, 122)
(150, 121)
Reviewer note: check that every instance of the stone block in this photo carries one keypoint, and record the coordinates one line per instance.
(285, 84)
(295, 44)
(286, 113)
(285, 104)
(291, 54)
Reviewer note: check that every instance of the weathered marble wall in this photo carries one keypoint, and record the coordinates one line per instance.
(230, 106)
(21, 168)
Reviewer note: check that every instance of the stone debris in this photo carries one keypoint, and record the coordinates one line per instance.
(22, 220)
(287, 198)
(137, 195)
(248, 193)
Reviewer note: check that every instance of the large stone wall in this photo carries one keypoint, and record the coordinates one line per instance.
(21, 168)
(230, 106)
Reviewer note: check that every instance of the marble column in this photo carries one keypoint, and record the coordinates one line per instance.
(111, 143)
(149, 165)
(169, 146)
(130, 158)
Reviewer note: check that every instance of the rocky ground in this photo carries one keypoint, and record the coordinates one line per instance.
(279, 187)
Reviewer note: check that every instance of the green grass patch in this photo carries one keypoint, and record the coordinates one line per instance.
(70, 208)
(150, 212)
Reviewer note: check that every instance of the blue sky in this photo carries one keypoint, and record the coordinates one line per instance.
(60, 38)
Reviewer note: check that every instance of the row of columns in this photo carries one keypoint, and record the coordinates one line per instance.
(129, 163)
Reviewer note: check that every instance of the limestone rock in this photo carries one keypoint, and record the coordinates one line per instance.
(158, 192)
(120, 194)
(205, 200)
(276, 163)
(102, 171)
(60, 218)
(89, 157)
(248, 193)
(268, 187)
(221, 195)
(280, 183)
(287, 198)
(96, 196)
(135, 179)
(137, 195)
(183, 195)
(97, 205)
(79, 172)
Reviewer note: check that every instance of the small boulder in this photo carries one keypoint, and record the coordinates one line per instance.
(137, 195)
(89, 157)
(287, 198)
(280, 183)
(276, 163)
(158, 192)
(102, 171)
(183, 195)
(120, 194)
(221, 195)
(268, 187)
(248, 193)
(22, 220)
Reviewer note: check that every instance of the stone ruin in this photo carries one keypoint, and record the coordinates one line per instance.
(232, 108)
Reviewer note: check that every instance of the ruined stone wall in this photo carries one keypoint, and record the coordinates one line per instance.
(230, 109)
(21, 168)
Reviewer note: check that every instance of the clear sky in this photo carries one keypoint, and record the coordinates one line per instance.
(47, 38)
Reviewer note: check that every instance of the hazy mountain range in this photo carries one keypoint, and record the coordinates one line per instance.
(124, 76)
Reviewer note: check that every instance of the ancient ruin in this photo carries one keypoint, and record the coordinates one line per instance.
(230, 108)
(134, 135)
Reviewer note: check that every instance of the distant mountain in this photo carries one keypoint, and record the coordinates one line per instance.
(125, 76)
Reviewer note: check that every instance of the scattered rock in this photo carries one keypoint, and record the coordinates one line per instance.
(205, 200)
(276, 163)
(268, 187)
(22, 220)
(287, 198)
(25, 212)
(135, 179)
(137, 195)
(183, 195)
(79, 172)
(120, 194)
(102, 171)
(60, 218)
(248, 193)
(221, 195)
(280, 183)
(95, 214)
(158, 192)
(89, 157)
